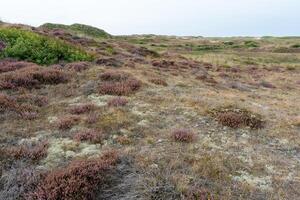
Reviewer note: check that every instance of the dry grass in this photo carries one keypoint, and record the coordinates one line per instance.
(78, 66)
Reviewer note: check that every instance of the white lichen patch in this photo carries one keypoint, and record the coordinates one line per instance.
(100, 100)
(40, 136)
(263, 183)
(142, 109)
(63, 149)
(75, 100)
(207, 142)
(52, 119)
(143, 123)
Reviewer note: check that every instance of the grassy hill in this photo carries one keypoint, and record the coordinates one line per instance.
(80, 29)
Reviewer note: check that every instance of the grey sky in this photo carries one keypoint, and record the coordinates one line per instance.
(171, 17)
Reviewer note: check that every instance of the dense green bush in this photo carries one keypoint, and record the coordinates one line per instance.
(80, 29)
(26, 45)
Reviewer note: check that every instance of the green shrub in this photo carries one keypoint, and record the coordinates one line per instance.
(296, 46)
(251, 44)
(228, 43)
(29, 46)
(207, 47)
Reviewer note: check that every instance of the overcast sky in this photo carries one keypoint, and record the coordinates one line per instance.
(169, 17)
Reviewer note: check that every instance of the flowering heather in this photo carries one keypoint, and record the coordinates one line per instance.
(81, 109)
(32, 77)
(94, 136)
(81, 179)
(183, 135)
(116, 83)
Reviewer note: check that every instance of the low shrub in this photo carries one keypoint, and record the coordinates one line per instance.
(207, 47)
(163, 63)
(28, 152)
(158, 81)
(123, 140)
(19, 105)
(143, 51)
(30, 46)
(111, 62)
(81, 179)
(35, 100)
(18, 181)
(267, 85)
(78, 66)
(251, 44)
(92, 118)
(116, 83)
(7, 65)
(236, 118)
(114, 76)
(32, 77)
(7, 103)
(117, 102)
(198, 193)
(67, 122)
(296, 46)
(119, 88)
(183, 135)
(93, 136)
(81, 109)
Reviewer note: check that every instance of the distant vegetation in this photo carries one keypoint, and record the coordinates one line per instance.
(251, 44)
(296, 46)
(79, 29)
(29, 46)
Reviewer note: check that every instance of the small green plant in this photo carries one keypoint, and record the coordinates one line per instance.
(110, 50)
(29, 46)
